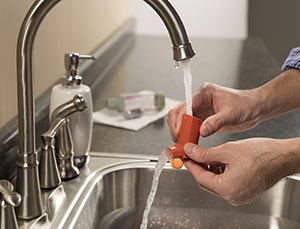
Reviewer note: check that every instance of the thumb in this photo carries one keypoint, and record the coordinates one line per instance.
(198, 153)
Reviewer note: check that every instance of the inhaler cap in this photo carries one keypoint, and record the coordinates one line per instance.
(115, 103)
(159, 101)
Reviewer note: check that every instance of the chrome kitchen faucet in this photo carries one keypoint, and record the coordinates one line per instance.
(28, 184)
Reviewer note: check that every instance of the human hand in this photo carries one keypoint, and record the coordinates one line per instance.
(251, 166)
(222, 109)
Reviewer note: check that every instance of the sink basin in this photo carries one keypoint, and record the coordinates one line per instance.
(115, 197)
(111, 193)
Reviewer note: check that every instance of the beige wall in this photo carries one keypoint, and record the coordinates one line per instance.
(73, 25)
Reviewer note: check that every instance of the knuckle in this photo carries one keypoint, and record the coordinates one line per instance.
(207, 86)
(228, 146)
(215, 122)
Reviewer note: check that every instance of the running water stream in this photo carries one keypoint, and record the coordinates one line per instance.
(187, 78)
(166, 154)
(164, 157)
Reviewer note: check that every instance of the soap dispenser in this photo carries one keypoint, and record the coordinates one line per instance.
(80, 123)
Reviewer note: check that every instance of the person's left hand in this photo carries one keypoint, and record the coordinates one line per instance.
(251, 166)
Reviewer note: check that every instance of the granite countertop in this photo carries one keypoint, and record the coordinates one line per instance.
(148, 65)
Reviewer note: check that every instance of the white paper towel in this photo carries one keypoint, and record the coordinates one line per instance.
(116, 119)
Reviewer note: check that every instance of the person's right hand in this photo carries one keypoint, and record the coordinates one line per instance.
(248, 167)
(222, 109)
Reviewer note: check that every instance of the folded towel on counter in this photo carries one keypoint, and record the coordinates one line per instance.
(116, 119)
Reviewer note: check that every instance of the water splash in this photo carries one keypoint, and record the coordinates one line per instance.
(165, 156)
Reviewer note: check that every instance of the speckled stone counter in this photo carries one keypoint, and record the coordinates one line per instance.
(149, 65)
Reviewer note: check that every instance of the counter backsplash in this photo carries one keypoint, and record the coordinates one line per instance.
(93, 71)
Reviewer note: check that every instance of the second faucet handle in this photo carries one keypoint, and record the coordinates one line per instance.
(48, 168)
(8, 201)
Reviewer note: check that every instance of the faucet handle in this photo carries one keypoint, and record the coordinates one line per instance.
(48, 169)
(52, 170)
(8, 200)
(8, 195)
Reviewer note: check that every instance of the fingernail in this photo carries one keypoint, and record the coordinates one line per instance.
(206, 130)
(190, 148)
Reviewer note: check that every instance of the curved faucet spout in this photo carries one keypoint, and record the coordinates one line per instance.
(182, 48)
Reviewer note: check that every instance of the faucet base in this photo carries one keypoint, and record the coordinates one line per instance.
(28, 186)
(80, 161)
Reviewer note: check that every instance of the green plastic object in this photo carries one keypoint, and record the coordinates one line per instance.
(116, 103)
(147, 101)
(159, 101)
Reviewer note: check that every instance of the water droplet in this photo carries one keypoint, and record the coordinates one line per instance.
(176, 64)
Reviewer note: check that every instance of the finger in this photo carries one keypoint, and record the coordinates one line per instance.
(174, 120)
(213, 182)
(179, 119)
(170, 125)
(213, 123)
(204, 155)
(203, 177)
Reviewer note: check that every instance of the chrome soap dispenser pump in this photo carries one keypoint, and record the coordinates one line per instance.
(80, 123)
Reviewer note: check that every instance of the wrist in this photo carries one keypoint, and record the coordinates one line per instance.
(261, 105)
(288, 159)
(281, 158)
(256, 106)
(290, 154)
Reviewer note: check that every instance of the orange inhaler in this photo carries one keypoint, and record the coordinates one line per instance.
(189, 132)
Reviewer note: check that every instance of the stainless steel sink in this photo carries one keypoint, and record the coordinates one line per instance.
(112, 193)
